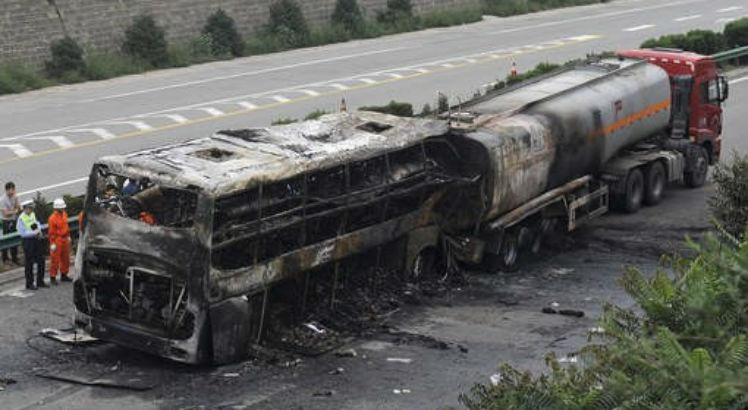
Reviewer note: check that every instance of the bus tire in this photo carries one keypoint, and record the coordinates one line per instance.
(654, 185)
(696, 177)
(634, 195)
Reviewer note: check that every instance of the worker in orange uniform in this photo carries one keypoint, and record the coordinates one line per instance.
(59, 242)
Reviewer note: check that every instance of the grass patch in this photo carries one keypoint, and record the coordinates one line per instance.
(505, 8)
(17, 78)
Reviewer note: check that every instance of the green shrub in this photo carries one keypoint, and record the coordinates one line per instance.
(17, 78)
(101, 66)
(144, 39)
(698, 41)
(287, 23)
(426, 111)
(315, 114)
(446, 18)
(736, 33)
(729, 204)
(505, 8)
(684, 346)
(67, 56)
(225, 39)
(74, 204)
(284, 121)
(42, 208)
(400, 109)
(348, 14)
(396, 11)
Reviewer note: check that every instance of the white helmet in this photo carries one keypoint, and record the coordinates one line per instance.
(59, 203)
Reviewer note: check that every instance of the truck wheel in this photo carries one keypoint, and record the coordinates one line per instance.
(634, 195)
(655, 184)
(697, 176)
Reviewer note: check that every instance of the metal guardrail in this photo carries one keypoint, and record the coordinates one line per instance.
(14, 239)
(730, 54)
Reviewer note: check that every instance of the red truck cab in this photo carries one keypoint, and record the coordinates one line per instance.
(698, 93)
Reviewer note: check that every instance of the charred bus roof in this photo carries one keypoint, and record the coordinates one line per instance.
(230, 161)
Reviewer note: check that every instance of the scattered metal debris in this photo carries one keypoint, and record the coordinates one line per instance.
(399, 360)
(401, 391)
(129, 384)
(68, 336)
(337, 371)
(323, 393)
(5, 381)
(346, 353)
(231, 375)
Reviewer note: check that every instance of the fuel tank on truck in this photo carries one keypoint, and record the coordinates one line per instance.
(540, 135)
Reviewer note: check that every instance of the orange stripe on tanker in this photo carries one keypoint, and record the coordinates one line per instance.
(630, 119)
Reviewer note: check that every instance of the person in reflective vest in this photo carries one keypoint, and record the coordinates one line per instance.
(59, 242)
(30, 231)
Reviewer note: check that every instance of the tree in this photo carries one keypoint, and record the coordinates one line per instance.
(348, 14)
(287, 23)
(67, 56)
(225, 39)
(144, 39)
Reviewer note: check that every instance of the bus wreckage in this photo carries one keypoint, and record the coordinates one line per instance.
(184, 247)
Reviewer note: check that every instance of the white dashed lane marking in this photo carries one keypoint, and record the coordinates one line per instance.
(280, 98)
(686, 18)
(638, 28)
(102, 133)
(18, 150)
(729, 9)
(59, 140)
(140, 125)
(247, 105)
(215, 112)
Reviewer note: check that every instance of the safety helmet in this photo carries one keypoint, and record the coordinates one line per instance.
(59, 203)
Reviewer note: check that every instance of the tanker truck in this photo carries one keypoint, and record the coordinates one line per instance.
(188, 250)
(565, 147)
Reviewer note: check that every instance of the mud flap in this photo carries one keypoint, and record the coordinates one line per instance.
(231, 323)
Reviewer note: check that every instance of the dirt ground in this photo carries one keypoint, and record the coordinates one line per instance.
(429, 354)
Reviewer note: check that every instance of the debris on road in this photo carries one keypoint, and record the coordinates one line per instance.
(571, 312)
(68, 336)
(495, 379)
(129, 384)
(399, 360)
(548, 310)
(337, 371)
(401, 391)
(230, 375)
(568, 359)
(346, 353)
(5, 381)
(323, 393)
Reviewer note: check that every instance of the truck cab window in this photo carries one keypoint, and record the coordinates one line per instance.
(143, 200)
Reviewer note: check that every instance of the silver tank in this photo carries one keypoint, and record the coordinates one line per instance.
(541, 135)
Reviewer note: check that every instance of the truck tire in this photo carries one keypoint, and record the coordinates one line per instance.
(634, 195)
(654, 185)
(696, 177)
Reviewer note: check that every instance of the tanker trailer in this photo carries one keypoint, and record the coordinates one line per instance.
(561, 148)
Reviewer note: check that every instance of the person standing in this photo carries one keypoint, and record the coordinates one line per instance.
(31, 236)
(9, 210)
(59, 242)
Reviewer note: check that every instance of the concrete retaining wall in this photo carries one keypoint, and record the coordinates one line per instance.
(27, 27)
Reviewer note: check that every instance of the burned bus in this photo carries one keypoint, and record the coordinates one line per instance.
(181, 244)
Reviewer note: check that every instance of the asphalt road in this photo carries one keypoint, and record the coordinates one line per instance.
(50, 138)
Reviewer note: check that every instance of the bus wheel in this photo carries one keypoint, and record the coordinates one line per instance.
(697, 176)
(655, 184)
(634, 195)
